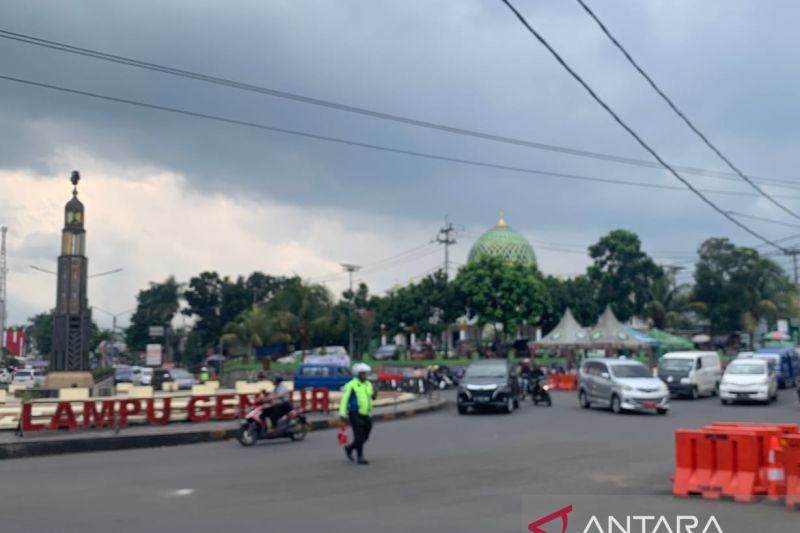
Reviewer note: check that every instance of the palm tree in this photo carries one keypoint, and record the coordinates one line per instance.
(669, 302)
(301, 313)
(768, 295)
(252, 329)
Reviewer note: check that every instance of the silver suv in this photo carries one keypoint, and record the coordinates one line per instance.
(621, 384)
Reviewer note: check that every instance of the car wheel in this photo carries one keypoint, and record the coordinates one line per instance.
(723, 402)
(616, 405)
(695, 393)
(462, 410)
(583, 400)
(662, 411)
(516, 404)
(715, 390)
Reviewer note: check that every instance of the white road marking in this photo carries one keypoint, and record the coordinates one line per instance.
(182, 492)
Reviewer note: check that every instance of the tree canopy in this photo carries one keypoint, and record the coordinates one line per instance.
(499, 293)
(622, 273)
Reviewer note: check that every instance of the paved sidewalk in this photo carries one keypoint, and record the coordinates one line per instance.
(142, 436)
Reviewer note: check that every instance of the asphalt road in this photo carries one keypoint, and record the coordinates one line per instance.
(438, 472)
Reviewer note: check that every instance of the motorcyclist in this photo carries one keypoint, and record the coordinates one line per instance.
(537, 378)
(279, 402)
(525, 375)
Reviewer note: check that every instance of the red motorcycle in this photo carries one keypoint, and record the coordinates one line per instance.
(292, 425)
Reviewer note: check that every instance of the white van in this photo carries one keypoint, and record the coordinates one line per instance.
(691, 373)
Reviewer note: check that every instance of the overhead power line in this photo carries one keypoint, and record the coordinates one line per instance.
(414, 254)
(683, 116)
(338, 140)
(260, 89)
(631, 132)
(764, 219)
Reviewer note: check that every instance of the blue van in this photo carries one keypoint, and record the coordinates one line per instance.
(787, 363)
(322, 376)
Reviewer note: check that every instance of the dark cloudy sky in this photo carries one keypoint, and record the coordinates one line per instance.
(171, 194)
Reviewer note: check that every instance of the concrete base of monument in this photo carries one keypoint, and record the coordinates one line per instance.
(66, 380)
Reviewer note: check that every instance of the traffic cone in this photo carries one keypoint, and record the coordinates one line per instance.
(776, 473)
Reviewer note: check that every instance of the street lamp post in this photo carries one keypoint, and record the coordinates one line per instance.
(114, 337)
(350, 269)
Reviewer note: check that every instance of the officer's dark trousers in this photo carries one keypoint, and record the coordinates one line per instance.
(362, 426)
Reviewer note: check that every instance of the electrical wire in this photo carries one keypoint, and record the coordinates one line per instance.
(764, 219)
(388, 263)
(259, 89)
(631, 132)
(680, 113)
(382, 148)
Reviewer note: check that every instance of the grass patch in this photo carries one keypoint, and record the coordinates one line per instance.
(99, 374)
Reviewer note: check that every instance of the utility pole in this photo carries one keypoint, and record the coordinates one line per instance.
(350, 269)
(793, 252)
(3, 291)
(447, 237)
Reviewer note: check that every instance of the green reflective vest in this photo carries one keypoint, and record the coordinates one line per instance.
(356, 396)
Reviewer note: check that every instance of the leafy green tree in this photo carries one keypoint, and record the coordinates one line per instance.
(576, 293)
(301, 314)
(40, 331)
(501, 293)
(670, 304)
(622, 273)
(203, 296)
(252, 330)
(737, 288)
(427, 306)
(156, 306)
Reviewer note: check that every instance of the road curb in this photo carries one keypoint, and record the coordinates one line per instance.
(54, 446)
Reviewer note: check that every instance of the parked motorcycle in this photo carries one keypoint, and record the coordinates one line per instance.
(540, 392)
(252, 428)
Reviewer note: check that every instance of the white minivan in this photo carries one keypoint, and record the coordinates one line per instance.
(691, 373)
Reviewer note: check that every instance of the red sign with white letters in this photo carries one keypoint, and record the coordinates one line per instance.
(116, 413)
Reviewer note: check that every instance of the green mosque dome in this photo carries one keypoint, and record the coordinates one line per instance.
(504, 242)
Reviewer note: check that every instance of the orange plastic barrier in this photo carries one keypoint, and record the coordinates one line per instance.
(554, 380)
(784, 428)
(771, 470)
(568, 382)
(790, 458)
(719, 462)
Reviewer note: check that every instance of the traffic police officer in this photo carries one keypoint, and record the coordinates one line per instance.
(355, 407)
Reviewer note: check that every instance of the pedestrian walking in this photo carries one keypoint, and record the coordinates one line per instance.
(355, 408)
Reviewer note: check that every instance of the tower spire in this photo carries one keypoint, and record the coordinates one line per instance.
(501, 221)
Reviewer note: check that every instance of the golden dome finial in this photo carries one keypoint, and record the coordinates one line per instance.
(501, 222)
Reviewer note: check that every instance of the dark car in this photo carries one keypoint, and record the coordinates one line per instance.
(183, 379)
(489, 383)
(387, 352)
(519, 346)
(465, 348)
(422, 350)
(123, 374)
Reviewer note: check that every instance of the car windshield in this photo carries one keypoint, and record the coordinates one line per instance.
(752, 369)
(675, 364)
(486, 371)
(179, 374)
(122, 372)
(630, 371)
